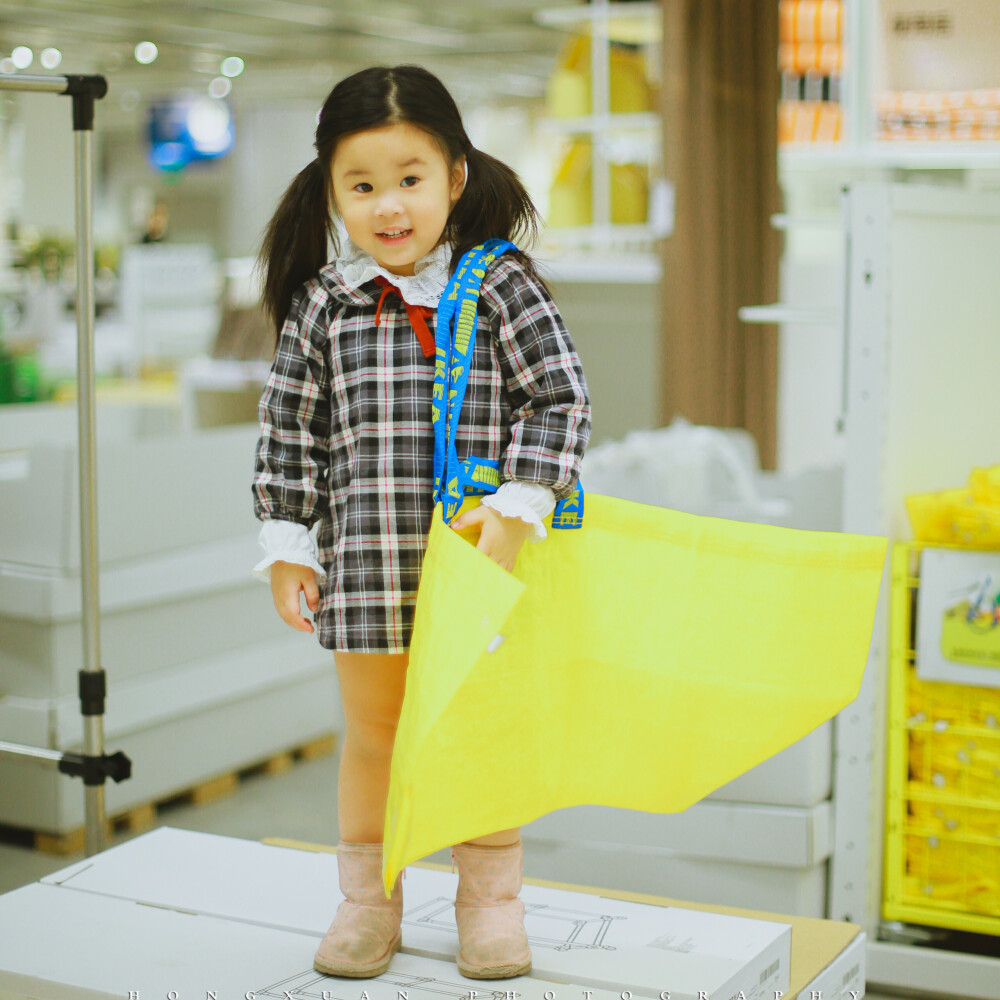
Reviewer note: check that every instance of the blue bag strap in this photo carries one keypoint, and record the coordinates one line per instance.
(455, 336)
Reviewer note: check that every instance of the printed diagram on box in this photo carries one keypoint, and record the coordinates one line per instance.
(547, 926)
(313, 985)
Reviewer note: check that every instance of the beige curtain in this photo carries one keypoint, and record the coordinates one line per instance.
(720, 99)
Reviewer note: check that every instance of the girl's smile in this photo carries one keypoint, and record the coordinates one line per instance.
(394, 237)
(394, 191)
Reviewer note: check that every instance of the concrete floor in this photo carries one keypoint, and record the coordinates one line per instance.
(300, 804)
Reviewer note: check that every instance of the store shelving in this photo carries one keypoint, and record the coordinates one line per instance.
(632, 23)
(641, 121)
(919, 268)
(942, 848)
(865, 76)
(607, 138)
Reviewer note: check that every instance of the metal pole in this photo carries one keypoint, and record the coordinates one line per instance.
(42, 84)
(93, 725)
(93, 764)
(600, 109)
(35, 755)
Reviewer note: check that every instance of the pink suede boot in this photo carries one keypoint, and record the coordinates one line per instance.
(492, 943)
(365, 933)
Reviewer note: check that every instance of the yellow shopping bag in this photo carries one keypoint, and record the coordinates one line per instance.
(647, 658)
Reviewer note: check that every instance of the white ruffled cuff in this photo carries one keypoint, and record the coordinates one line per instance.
(287, 541)
(528, 501)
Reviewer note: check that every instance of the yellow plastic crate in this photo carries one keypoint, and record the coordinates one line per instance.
(942, 833)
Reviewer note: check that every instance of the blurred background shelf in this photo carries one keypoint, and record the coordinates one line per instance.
(631, 23)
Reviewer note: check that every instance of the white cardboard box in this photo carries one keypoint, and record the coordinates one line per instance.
(143, 952)
(592, 941)
(715, 881)
(843, 978)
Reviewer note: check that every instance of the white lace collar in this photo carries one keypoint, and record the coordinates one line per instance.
(423, 288)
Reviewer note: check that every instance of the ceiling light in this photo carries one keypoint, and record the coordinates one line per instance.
(209, 124)
(22, 56)
(50, 58)
(145, 53)
(219, 87)
(232, 66)
(7, 65)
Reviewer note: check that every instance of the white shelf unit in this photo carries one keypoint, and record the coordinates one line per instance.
(864, 24)
(607, 22)
(880, 393)
(636, 23)
(921, 308)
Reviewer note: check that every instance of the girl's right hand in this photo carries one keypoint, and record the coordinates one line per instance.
(287, 579)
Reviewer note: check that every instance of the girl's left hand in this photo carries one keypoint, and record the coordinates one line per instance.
(500, 537)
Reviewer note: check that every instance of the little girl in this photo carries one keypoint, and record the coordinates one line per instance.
(347, 445)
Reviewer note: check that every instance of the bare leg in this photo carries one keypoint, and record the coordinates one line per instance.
(371, 688)
(499, 839)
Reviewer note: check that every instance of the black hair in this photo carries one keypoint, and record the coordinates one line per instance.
(493, 204)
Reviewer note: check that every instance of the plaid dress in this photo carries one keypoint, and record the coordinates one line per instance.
(347, 440)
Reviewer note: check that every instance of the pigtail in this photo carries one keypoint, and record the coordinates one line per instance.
(296, 240)
(493, 204)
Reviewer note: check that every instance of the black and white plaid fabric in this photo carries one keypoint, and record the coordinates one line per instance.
(347, 439)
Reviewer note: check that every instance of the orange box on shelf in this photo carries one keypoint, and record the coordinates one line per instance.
(809, 121)
(801, 57)
(810, 20)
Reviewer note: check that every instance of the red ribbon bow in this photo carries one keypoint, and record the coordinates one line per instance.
(417, 314)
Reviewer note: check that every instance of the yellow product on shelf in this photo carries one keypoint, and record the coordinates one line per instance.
(931, 514)
(942, 830)
(956, 704)
(953, 766)
(943, 817)
(953, 873)
(985, 485)
(568, 92)
(569, 196)
(968, 516)
(629, 194)
(977, 524)
(630, 91)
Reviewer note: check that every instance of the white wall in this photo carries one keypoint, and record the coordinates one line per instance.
(40, 182)
(273, 144)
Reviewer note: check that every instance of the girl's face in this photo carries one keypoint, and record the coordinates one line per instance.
(394, 191)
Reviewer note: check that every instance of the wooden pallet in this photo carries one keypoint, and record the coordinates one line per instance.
(145, 815)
